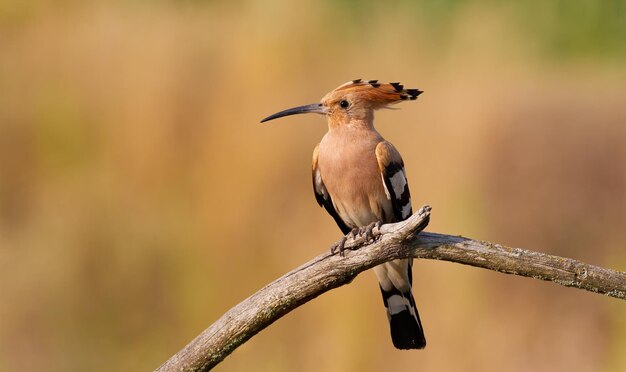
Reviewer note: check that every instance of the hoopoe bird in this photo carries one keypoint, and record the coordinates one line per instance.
(359, 179)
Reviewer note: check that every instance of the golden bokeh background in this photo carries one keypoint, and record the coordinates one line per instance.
(140, 198)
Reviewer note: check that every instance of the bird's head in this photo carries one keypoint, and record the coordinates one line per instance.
(354, 101)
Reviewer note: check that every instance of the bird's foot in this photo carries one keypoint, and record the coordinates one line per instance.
(366, 232)
(340, 245)
(354, 233)
(369, 233)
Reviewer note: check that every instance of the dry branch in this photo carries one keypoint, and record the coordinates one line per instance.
(398, 240)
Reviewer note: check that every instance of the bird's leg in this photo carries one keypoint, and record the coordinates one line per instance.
(366, 232)
(369, 231)
(354, 233)
(340, 245)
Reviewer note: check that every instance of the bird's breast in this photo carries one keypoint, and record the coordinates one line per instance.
(350, 172)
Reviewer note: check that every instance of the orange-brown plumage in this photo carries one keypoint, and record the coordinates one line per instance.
(371, 93)
(363, 98)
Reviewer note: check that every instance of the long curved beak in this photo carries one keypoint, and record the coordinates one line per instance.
(316, 108)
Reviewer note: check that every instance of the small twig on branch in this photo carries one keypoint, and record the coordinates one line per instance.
(398, 240)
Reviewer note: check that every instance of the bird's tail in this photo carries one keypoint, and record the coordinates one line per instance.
(404, 320)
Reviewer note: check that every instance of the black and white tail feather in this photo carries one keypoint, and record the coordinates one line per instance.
(404, 320)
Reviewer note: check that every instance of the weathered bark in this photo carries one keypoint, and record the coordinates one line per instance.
(398, 240)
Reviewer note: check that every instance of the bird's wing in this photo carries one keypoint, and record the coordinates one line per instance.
(395, 277)
(394, 179)
(322, 196)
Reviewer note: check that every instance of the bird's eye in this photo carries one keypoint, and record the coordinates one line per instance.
(344, 104)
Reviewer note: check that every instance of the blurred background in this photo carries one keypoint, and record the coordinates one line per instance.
(140, 198)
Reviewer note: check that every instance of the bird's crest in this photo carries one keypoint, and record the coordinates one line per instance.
(372, 93)
(354, 101)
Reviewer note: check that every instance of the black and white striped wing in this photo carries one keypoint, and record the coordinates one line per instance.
(323, 197)
(394, 179)
(395, 277)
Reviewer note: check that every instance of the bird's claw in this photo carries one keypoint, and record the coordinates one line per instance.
(354, 233)
(369, 231)
(366, 232)
(339, 246)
